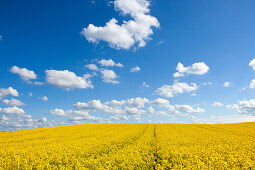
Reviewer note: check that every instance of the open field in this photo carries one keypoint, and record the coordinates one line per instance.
(129, 146)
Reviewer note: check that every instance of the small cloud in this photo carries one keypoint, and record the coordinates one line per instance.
(252, 84)
(92, 67)
(217, 104)
(109, 76)
(199, 68)
(146, 85)
(135, 69)
(252, 64)
(24, 73)
(160, 42)
(109, 63)
(1, 37)
(44, 98)
(193, 94)
(226, 84)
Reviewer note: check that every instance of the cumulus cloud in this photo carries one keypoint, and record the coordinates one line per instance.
(135, 69)
(217, 104)
(12, 110)
(24, 73)
(109, 76)
(252, 64)
(58, 112)
(136, 102)
(176, 88)
(92, 67)
(133, 32)
(115, 103)
(245, 107)
(252, 84)
(189, 109)
(160, 102)
(43, 98)
(8, 91)
(13, 102)
(67, 79)
(134, 111)
(109, 63)
(196, 68)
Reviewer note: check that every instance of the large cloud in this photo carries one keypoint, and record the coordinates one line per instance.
(24, 73)
(131, 32)
(67, 79)
(8, 91)
(196, 68)
(176, 88)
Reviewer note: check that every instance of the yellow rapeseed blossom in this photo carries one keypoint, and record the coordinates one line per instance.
(130, 146)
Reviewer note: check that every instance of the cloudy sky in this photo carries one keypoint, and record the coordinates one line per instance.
(96, 61)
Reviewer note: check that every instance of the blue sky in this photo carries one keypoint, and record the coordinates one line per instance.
(47, 49)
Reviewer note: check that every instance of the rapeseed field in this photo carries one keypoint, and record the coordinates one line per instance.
(130, 146)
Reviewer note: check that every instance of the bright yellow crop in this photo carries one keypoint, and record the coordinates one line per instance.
(130, 146)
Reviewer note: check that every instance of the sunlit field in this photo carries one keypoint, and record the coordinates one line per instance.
(130, 146)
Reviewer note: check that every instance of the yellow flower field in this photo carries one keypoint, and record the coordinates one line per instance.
(130, 146)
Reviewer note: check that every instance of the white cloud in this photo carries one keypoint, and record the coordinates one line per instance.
(176, 88)
(43, 98)
(245, 107)
(109, 63)
(93, 105)
(252, 84)
(252, 64)
(196, 68)
(30, 94)
(136, 102)
(131, 32)
(161, 113)
(134, 111)
(24, 73)
(9, 91)
(109, 76)
(189, 109)
(217, 104)
(135, 69)
(58, 112)
(12, 110)
(223, 119)
(145, 85)
(150, 110)
(119, 117)
(1, 37)
(92, 67)
(115, 103)
(226, 84)
(13, 102)
(160, 102)
(67, 79)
